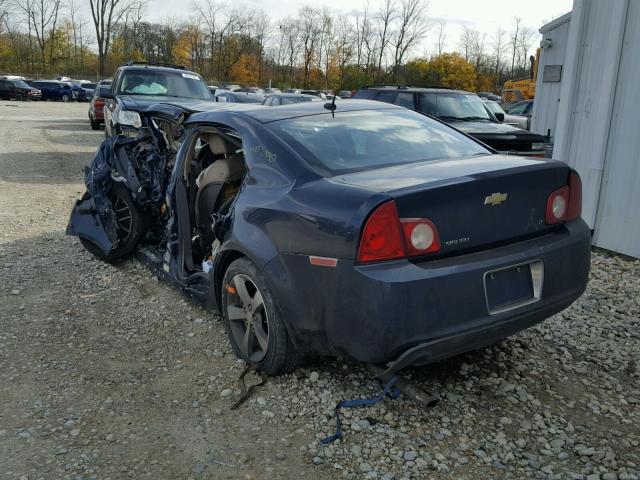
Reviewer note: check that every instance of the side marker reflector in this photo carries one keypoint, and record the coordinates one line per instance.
(323, 261)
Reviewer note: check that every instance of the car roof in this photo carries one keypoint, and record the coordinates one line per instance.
(159, 68)
(292, 95)
(264, 114)
(418, 89)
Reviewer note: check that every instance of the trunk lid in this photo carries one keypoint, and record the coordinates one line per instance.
(474, 202)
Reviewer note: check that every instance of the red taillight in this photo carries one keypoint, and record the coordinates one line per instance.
(387, 237)
(575, 196)
(565, 203)
(382, 237)
(98, 103)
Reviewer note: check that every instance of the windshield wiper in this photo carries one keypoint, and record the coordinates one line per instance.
(476, 118)
(449, 117)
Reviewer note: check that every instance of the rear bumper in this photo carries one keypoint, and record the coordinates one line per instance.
(416, 313)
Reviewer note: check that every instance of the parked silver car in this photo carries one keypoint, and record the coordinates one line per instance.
(516, 120)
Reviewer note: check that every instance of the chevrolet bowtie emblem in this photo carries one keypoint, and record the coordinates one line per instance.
(495, 199)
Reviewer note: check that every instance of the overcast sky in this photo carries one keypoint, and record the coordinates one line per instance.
(482, 15)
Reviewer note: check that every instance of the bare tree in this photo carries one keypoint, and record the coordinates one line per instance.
(514, 42)
(260, 26)
(309, 32)
(498, 53)
(230, 48)
(42, 18)
(106, 14)
(442, 36)
(385, 18)
(326, 45)
(465, 43)
(4, 13)
(478, 49)
(79, 38)
(209, 12)
(412, 27)
(344, 46)
(363, 38)
(524, 45)
(290, 30)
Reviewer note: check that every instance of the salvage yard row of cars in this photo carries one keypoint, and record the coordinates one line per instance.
(61, 90)
(376, 228)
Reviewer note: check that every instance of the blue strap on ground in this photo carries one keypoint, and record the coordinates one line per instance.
(388, 391)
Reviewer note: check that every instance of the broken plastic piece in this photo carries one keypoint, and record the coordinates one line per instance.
(207, 265)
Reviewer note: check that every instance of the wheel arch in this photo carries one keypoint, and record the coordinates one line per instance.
(222, 263)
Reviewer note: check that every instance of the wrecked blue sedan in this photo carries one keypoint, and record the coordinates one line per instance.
(361, 229)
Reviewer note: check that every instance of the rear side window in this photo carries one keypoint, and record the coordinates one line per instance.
(518, 109)
(365, 94)
(429, 104)
(405, 99)
(387, 97)
(367, 140)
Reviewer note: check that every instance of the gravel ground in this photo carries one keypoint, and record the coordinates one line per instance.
(107, 373)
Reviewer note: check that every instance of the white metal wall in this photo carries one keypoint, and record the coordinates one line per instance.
(588, 87)
(618, 216)
(597, 127)
(545, 108)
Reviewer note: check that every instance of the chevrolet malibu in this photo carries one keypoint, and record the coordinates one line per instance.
(359, 229)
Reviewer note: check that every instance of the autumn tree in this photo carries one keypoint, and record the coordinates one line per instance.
(451, 70)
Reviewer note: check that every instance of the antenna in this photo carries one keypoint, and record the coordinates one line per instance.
(331, 105)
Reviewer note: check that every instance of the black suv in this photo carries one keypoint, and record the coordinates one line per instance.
(462, 110)
(138, 85)
(18, 89)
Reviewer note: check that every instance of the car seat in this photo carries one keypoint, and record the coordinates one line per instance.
(213, 180)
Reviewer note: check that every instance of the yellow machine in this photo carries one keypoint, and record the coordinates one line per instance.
(522, 88)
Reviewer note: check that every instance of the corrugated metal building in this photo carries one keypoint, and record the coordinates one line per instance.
(587, 96)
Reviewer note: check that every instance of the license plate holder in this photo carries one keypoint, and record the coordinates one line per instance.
(513, 286)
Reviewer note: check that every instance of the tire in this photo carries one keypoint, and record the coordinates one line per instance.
(19, 97)
(124, 206)
(66, 98)
(95, 125)
(275, 354)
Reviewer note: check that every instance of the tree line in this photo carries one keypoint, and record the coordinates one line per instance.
(227, 43)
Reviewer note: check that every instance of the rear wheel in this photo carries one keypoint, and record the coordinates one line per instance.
(66, 98)
(253, 323)
(19, 97)
(131, 224)
(95, 125)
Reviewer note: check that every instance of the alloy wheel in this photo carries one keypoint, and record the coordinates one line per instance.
(124, 218)
(248, 318)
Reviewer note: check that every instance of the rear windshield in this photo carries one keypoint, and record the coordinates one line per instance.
(248, 99)
(366, 140)
(290, 100)
(164, 84)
